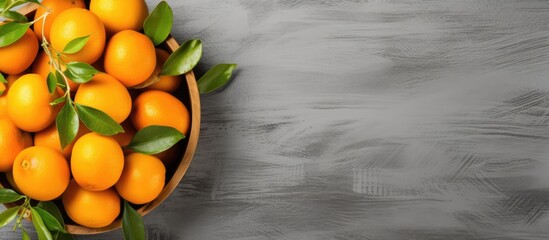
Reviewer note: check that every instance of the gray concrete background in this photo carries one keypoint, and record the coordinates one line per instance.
(382, 119)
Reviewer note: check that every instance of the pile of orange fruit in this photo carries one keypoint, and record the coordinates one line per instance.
(94, 173)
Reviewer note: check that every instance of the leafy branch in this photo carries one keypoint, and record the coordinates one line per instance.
(46, 217)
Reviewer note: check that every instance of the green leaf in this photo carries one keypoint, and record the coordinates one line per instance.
(51, 208)
(60, 80)
(16, 16)
(50, 221)
(8, 216)
(98, 121)
(155, 139)
(58, 101)
(81, 68)
(80, 72)
(77, 78)
(11, 32)
(24, 234)
(76, 45)
(8, 195)
(67, 124)
(39, 226)
(132, 224)
(3, 79)
(52, 82)
(215, 78)
(159, 23)
(183, 59)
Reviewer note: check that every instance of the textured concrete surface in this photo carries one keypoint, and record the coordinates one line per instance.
(382, 119)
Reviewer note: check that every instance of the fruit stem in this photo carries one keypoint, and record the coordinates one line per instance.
(46, 46)
(24, 210)
(40, 18)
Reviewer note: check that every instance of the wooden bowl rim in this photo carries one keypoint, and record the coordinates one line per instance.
(192, 138)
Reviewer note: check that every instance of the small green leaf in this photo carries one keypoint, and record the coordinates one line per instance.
(24, 234)
(155, 139)
(52, 82)
(16, 16)
(58, 101)
(51, 208)
(50, 221)
(3, 79)
(11, 32)
(39, 226)
(183, 59)
(8, 195)
(215, 78)
(67, 124)
(80, 72)
(98, 121)
(132, 224)
(76, 45)
(81, 68)
(8, 216)
(60, 80)
(82, 79)
(159, 23)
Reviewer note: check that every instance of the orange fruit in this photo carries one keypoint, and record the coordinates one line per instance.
(164, 83)
(121, 14)
(107, 94)
(29, 103)
(130, 57)
(57, 7)
(49, 137)
(12, 141)
(41, 67)
(155, 107)
(142, 179)
(91, 209)
(41, 173)
(74, 23)
(96, 162)
(19, 55)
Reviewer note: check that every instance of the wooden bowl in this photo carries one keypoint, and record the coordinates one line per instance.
(189, 95)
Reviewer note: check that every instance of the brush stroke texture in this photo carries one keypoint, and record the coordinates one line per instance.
(354, 119)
